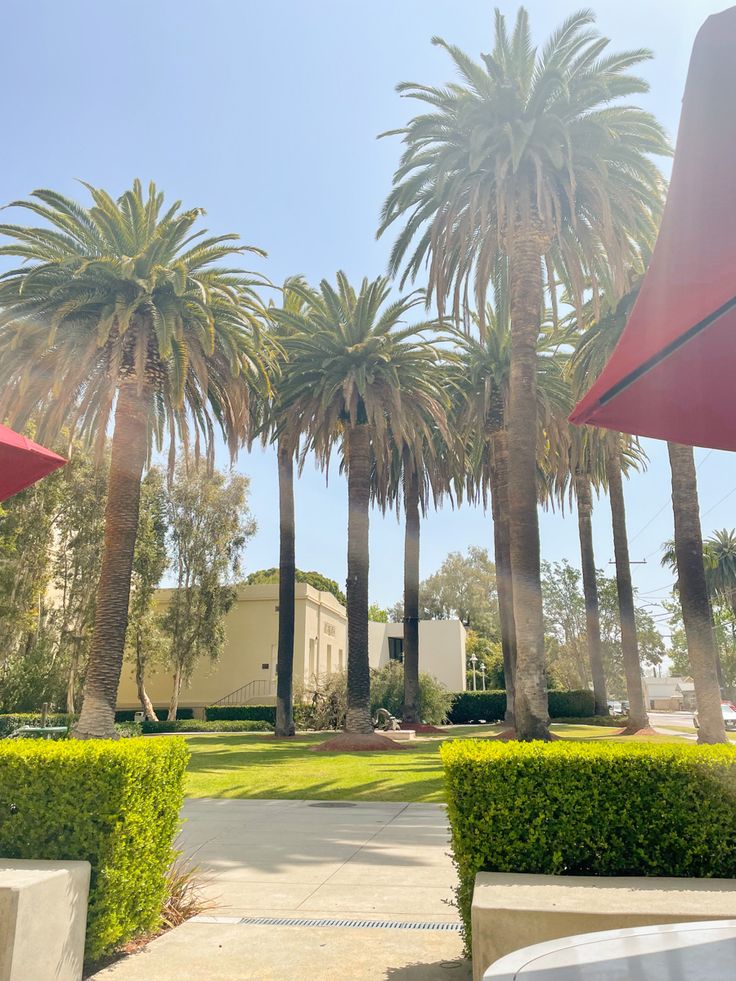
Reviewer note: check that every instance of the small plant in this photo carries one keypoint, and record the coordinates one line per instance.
(184, 896)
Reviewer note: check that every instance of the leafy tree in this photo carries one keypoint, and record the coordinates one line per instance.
(351, 374)
(463, 588)
(209, 526)
(489, 653)
(530, 155)
(377, 614)
(565, 621)
(77, 557)
(145, 639)
(120, 318)
(314, 579)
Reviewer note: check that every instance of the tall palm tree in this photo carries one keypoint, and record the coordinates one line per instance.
(693, 591)
(353, 376)
(533, 156)
(287, 443)
(417, 475)
(122, 315)
(594, 347)
(485, 371)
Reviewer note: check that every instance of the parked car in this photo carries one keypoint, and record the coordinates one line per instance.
(615, 708)
(728, 710)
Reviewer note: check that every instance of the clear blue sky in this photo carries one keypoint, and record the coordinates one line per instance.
(266, 114)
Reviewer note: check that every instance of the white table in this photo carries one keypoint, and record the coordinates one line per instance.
(679, 951)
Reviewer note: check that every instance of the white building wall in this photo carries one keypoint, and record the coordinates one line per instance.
(441, 649)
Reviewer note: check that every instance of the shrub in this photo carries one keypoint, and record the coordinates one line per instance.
(321, 706)
(12, 721)
(589, 809)
(241, 713)
(128, 715)
(387, 691)
(472, 706)
(490, 706)
(113, 804)
(198, 725)
(571, 704)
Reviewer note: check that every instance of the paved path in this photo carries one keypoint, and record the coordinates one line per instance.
(385, 866)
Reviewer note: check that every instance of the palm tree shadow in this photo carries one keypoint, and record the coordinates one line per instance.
(454, 970)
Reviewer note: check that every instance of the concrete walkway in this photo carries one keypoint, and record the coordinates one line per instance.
(380, 874)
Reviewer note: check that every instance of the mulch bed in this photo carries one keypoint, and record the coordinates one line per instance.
(353, 742)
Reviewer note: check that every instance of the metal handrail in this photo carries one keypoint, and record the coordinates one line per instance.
(261, 686)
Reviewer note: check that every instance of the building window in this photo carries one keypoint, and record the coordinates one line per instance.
(396, 649)
(339, 660)
(329, 659)
(311, 657)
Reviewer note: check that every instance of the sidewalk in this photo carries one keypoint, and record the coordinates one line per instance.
(382, 866)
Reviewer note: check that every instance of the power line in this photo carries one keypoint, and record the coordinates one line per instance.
(664, 507)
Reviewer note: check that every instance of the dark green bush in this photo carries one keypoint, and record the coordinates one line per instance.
(199, 725)
(472, 706)
(12, 721)
(387, 691)
(128, 715)
(571, 704)
(589, 809)
(114, 804)
(490, 706)
(238, 713)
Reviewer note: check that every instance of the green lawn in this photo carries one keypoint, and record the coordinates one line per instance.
(245, 765)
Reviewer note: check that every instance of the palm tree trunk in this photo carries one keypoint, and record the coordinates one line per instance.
(127, 459)
(502, 552)
(71, 686)
(530, 705)
(696, 613)
(590, 591)
(149, 712)
(638, 718)
(358, 718)
(174, 701)
(287, 578)
(410, 711)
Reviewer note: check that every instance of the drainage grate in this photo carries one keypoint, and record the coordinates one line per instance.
(306, 922)
(333, 803)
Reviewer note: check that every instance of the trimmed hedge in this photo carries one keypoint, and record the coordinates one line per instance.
(14, 720)
(571, 704)
(197, 725)
(589, 809)
(115, 804)
(242, 713)
(471, 706)
(128, 715)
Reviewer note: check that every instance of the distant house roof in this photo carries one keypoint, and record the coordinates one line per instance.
(667, 687)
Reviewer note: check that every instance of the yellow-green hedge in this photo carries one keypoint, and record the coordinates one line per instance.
(585, 809)
(115, 804)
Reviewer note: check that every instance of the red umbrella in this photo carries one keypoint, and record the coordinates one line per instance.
(673, 373)
(23, 462)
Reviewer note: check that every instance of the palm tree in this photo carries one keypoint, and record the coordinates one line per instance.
(121, 315)
(352, 377)
(270, 426)
(532, 156)
(417, 475)
(594, 347)
(720, 566)
(485, 370)
(693, 591)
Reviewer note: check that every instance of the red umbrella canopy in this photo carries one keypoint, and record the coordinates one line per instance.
(23, 462)
(673, 373)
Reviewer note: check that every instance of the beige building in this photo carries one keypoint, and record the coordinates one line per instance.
(246, 672)
(441, 649)
(669, 694)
